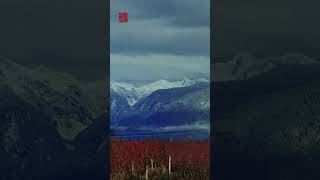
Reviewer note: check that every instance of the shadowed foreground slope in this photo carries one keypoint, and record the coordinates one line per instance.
(267, 127)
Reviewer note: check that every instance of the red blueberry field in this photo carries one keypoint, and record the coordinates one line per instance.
(153, 159)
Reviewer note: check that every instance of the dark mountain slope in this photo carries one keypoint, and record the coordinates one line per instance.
(229, 94)
(268, 127)
(30, 144)
(43, 115)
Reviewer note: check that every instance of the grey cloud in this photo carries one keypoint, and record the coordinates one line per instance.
(164, 39)
(155, 37)
(186, 13)
(158, 66)
(179, 27)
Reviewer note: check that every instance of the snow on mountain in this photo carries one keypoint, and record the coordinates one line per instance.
(203, 80)
(126, 90)
(133, 94)
(191, 98)
(171, 110)
(118, 106)
(164, 84)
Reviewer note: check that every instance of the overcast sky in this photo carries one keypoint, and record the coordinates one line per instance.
(163, 39)
(71, 35)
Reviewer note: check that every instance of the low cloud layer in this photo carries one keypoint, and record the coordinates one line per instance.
(157, 66)
(158, 36)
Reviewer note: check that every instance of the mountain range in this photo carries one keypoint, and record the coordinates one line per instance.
(161, 106)
(264, 118)
(134, 93)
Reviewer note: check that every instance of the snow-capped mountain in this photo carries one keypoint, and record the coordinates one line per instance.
(133, 93)
(119, 105)
(164, 84)
(128, 91)
(168, 106)
(190, 98)
(169, 110)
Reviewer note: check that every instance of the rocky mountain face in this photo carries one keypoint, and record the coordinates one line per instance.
(266, 126)
(42, 115)
(57, 95)
(97, 93)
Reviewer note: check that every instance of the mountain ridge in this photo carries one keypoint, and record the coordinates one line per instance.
(135, 93)
(245, 65)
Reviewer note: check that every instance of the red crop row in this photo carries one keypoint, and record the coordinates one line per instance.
(184, 154)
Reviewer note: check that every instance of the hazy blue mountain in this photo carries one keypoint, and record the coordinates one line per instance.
(119, 106)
